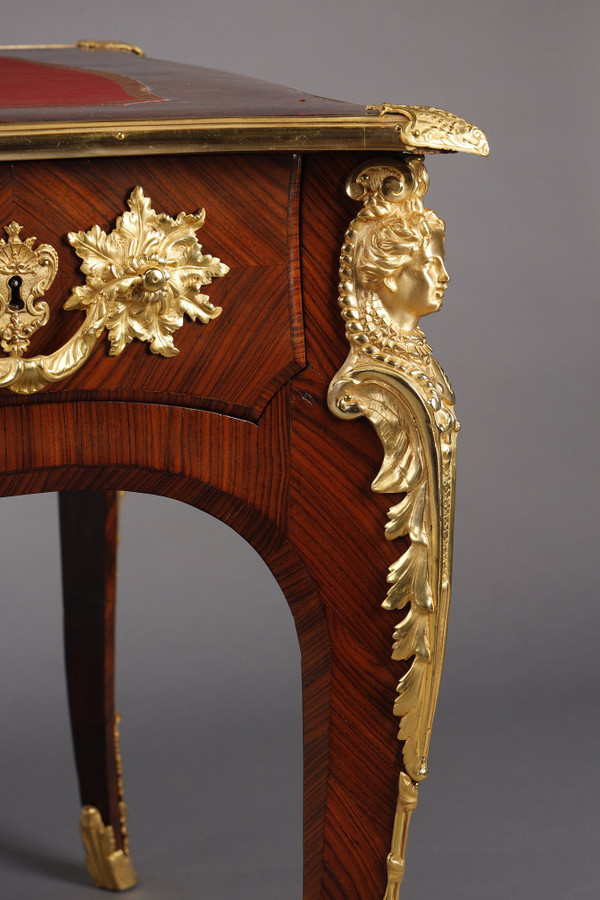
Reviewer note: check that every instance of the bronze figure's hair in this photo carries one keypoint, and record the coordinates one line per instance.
(389, 248)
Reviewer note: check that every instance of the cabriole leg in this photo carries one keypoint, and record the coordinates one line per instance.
(89, 535)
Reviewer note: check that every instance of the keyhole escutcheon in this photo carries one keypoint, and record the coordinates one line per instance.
(15, 303)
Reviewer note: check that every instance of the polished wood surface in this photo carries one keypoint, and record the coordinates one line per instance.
(89, 537)
(150, 88)
(278, 467)
(252, 223)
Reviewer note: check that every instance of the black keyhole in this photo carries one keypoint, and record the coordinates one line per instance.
(15, 301)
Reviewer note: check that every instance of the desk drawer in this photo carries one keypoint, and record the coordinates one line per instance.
(232, 364)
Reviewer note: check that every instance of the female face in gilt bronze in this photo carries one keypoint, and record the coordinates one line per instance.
(403, 264)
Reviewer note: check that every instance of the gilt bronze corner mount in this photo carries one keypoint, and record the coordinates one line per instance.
(392, 273)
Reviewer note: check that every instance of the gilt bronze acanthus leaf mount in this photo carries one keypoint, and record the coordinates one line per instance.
(141, 279)
(392, 273)
(110, 868)
(429, 129)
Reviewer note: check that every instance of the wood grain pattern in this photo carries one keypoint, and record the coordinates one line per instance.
(88, 531)
(251, 224)
(294, 481)
(337, 524)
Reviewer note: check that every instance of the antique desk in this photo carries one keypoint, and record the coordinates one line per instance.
(237, 376)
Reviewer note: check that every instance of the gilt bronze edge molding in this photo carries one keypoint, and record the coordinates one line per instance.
(92, 45)
(50, 140)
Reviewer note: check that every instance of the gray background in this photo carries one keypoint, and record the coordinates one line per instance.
(208, 664)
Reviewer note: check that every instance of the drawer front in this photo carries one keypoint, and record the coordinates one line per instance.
(235, 362)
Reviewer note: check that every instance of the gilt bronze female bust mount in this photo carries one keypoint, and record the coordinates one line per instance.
(392, 273)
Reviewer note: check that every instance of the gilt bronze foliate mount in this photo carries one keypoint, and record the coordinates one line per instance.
(392, 273)
(110, 868)
(141, 279)
(431, 129)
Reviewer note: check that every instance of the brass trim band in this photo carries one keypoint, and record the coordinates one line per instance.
(118, 46)
(49, 140)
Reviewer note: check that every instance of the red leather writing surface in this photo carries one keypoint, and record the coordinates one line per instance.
(32, 84)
